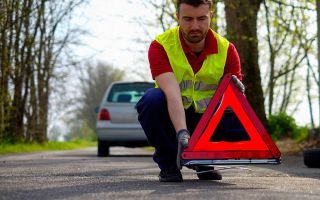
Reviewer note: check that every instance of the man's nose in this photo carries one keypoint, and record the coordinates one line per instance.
(195, 24)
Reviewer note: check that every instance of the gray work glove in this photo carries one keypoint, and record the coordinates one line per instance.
(238, 83)
(183, 137)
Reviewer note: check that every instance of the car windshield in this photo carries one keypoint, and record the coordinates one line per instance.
(128, 92)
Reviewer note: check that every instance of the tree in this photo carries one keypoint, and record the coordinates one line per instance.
(32, 40)
(241, 17)
(94, 80)
(287, 32)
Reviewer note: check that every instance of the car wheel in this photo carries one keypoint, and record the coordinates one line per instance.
(312, 158)
(103, 148)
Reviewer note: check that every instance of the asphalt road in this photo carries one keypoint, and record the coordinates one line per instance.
(131, 174)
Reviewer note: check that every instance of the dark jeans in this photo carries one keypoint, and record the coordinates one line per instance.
(156, 123)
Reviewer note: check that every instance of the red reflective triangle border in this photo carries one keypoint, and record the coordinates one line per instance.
(260, 145)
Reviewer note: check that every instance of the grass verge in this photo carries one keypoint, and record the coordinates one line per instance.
(48, 146)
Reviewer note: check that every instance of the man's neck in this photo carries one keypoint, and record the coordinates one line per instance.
(196, 47)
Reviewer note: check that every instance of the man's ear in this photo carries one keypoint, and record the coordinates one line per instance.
(211, 14)
(177, 17)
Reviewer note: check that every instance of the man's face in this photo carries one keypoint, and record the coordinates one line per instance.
(194, 21)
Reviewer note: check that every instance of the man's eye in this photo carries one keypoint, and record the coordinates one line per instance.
(187, 19)
(202, 18)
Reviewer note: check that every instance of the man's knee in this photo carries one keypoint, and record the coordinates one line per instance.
(153, 99)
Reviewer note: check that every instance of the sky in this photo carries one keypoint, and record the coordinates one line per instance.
(113, 32)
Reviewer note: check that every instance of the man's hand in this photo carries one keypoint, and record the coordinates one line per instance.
(183, 137)
(238, 83)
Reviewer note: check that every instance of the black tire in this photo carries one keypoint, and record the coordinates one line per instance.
(103, 148)
(312, 158)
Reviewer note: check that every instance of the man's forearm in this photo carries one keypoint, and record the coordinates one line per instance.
(176, 112)
(167, 82)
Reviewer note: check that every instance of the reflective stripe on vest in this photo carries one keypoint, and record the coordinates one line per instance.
(204, 87)
(186, 100)
(203, 104)
(196, 89)
(185, 84)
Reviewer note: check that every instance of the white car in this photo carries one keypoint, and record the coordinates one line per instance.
(117, 123)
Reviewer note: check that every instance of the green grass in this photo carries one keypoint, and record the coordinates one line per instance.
(48, 146)
(149, 148)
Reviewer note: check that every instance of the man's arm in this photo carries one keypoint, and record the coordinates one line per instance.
(169, 85)
(233, 65)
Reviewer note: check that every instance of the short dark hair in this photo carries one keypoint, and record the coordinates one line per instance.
(194, 3)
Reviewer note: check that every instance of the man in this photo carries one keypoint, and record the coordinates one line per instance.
(187, 63)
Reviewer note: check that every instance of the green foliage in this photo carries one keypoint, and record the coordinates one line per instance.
(8, 148)
(282, 126)
(302, 133)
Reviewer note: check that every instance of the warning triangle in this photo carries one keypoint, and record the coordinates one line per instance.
(210, 142)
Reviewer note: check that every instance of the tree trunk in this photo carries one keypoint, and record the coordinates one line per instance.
(271, 60)
(5, 20)
(241, 19)
(309, 94)
(18, 108)
(41, 70)
(318, 37)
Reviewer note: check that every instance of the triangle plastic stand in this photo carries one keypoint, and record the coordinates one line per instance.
(259, 149)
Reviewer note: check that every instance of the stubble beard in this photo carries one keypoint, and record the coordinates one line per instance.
(194, 39)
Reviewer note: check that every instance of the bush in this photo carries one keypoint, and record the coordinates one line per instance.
(284, 126)
(302, 133)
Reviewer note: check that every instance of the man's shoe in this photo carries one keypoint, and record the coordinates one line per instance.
(172, 175)
(208, 173)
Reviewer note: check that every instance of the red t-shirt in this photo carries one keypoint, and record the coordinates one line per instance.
(159, 61)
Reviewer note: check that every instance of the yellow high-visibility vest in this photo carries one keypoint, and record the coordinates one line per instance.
(196, 89)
